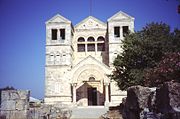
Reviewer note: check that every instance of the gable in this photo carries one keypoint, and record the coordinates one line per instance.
(90, 23)
(120, 16)
(58, 19)
(91, 61)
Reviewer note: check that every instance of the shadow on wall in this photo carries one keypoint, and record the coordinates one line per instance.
(105, 54)
(88, 95)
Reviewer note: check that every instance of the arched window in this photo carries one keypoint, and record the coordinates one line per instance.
(64, 58)
(81, 39)
(100, 38)
(51, 58)
(80, 46)
(91, 79)
(90, 46)
(90, 39)
(101, 44)
(58, 58)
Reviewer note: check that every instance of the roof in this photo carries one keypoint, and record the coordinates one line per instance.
(31, 99)
(90, 21)
(58, 19)
(120, 15)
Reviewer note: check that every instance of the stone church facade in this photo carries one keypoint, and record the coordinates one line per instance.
(79, 59)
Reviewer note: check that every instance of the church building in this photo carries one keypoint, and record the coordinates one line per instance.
(79, 60)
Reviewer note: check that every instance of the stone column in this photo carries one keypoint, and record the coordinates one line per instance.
(74, 92)
(58, 34)
(106, 94)
(121, 32)
(96, 48)
(86, 48)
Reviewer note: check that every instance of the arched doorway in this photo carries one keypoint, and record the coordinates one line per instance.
(90, 86)
(90, 92)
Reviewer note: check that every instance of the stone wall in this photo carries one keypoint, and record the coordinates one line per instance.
(14, 104)
(48, 112)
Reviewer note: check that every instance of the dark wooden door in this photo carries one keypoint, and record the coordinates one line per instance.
(92, 96)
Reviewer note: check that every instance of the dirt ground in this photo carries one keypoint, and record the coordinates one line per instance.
(113, 113)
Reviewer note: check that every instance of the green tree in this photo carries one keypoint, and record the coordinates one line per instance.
(141, 52)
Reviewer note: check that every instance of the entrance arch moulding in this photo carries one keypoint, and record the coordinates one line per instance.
(90, 70)
(90, 67)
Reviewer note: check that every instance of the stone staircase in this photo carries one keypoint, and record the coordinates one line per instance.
(90, 112)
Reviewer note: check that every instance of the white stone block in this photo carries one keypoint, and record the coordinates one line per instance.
(8, 105)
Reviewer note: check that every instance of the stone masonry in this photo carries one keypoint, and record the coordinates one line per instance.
(79, 59)
(14, 104)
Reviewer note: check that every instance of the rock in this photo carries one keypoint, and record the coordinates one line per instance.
(49, 111)
(113, 113)
(137, 99)
(13, 95)
(4, 96)
(146, 114)
(162, 102)
(168, 99)
(152, 99)
(2, 116)
(8, 105)
(24, 94)
(14, 104)
(21, 105)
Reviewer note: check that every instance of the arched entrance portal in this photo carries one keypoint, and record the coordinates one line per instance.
(90, 93)
(89, 88)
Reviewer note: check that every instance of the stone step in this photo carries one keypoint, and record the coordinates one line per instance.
(90, 112)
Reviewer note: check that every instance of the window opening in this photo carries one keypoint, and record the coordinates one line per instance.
(81, 47)
(90, 47)
(100, 38)
(54, 34)
(62, 34)
(117, 31)
(90, 39)
(101, 47)
(81, 39)
(125, 30)
(91, 79)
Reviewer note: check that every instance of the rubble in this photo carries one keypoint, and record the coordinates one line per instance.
(162, 102)
(15, 105)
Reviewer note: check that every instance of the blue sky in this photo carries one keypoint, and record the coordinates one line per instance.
(22, 31)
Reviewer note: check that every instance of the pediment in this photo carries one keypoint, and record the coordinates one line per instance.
(120, 16)
(90, 23)
(58, 19)
(89, 63)
(93, 62)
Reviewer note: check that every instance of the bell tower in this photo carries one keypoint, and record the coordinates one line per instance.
(119, 25)
(59, 33)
